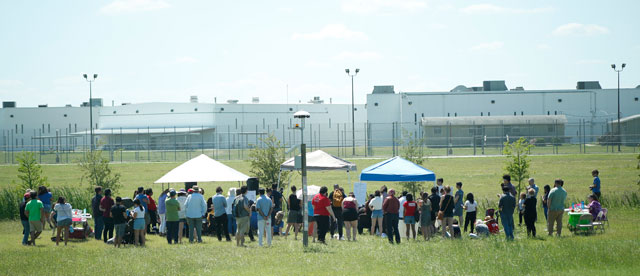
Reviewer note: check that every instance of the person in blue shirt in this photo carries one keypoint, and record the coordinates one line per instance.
(45, 196)
(196, 208)
(595, 187)
(264, 207)
(220, 215)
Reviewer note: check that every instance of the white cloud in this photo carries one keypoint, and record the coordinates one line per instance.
(382, 6)
(493, 9)
(186, 59)
(126, 6)
(331, 31)
(366, 55)
(580, 30)
(489, 46)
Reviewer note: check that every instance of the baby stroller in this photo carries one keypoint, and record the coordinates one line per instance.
(364, 220)
(128, 238)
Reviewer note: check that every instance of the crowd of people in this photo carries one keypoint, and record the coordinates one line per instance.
(185, 212)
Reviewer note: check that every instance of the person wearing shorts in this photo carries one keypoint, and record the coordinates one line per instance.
(119, 214)
(240, 210)
(62, 211)
(376, 212)
(294, 219)
(34, 210)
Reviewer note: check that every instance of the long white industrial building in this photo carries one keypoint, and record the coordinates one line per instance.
(379, 122)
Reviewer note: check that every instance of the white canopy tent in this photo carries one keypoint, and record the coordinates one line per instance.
(202, 169)
(321, 161)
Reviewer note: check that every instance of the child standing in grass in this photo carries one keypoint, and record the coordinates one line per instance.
(410, 207)
(523, 196)
(545, 199)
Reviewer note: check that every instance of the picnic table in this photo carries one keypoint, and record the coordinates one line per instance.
(574, 217)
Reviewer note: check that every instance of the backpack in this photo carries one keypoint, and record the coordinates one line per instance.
(234, 206)
(336, 201)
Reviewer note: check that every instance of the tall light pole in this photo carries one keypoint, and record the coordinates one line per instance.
(353, 119)
(613, 66)
(302, 115)
(95, 76)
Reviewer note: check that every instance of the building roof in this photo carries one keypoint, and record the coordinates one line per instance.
(494, 120)
(626, 119)
(109, 131)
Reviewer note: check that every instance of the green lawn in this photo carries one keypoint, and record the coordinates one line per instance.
(480, 175)
(614, 252)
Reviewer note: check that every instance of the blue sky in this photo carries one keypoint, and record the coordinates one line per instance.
(168, 50)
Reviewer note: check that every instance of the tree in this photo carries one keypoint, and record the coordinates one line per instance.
(266, 160)
(30, 171)
(413, 150)
(95, 169)
(518, 163)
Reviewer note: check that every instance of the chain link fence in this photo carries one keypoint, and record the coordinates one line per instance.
(233, 142)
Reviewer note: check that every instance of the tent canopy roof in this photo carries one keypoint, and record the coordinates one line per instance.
(321, 161)
(397, 169)
(202, 169)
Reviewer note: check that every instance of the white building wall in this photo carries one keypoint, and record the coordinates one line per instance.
(594, 106)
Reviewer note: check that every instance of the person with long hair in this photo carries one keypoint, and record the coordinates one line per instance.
(105, 206)
(62, 209)
(470, 206)
(350, 215)
(446, 206)
(138, 222)
(322, 212)
(410, 212)
(375, 205)
(425, 216)
(45, 197)
(294, 219)
(545, 200)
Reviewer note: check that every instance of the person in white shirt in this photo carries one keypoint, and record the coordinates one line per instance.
(63, 219)
(470, 206)
(402, 200)
(440, 186)
(231, 220)
(376, 212)
(182, 214)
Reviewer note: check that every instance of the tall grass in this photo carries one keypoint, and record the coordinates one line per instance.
(10, 199)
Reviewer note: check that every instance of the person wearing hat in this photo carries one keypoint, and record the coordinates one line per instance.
(172, 209)
(182, 214)
(25, 219)
(390, 208)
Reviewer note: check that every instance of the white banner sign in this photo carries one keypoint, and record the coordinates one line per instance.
(360, 190)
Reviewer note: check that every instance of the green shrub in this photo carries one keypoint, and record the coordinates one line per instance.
(10, 199)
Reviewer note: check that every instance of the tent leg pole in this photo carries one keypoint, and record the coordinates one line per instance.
(279, 173)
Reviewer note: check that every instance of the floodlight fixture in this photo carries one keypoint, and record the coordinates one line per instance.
(623, 65)
(357, 70)
(613, 66)
(347, 71)
(84, 75)
(301, 114)
(95, 76)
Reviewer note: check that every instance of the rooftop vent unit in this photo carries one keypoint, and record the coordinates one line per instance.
(8, 104)
(518, 88)
(255, 100)
(194, 99)
(67, 105)
(126, 103)
(460, 88)
(383, 89)
(494, 85)
(232, 101)
(477, 88)
(43, 105)
(583, 85)
(96, 101)
(316, 100)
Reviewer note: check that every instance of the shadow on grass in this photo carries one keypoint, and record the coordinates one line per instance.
(316, 248)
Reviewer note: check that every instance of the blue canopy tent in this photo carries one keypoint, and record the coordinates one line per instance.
(397, 169)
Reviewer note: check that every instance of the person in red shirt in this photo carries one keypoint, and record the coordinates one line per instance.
(410, 215)
(391, 207)
(105, 206)
(153, 211)
(321, 212)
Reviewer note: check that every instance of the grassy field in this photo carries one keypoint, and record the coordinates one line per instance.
(480, 175)
(544, 256)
